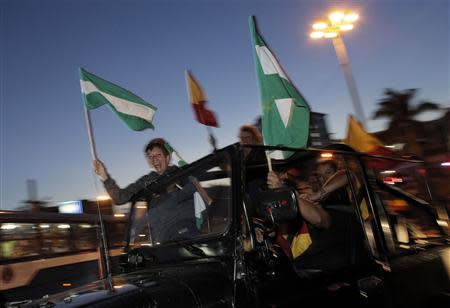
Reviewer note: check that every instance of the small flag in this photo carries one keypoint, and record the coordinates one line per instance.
(285, 113)
(365, 142)
(359, 139)
(132, 109)
(199, 207)
(171, 150)
(301, 241)
(198, 100)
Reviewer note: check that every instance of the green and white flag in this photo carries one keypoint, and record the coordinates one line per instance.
(133, 110)
(285, 113)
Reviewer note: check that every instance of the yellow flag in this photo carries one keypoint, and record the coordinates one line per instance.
(301, 241)
(359, 139)
(196, 93)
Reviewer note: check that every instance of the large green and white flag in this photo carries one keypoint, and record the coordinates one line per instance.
(285, 113)
(133, 110)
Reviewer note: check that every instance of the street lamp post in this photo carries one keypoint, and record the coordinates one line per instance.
(338, 22)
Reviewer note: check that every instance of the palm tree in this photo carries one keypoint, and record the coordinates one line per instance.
(397, 105)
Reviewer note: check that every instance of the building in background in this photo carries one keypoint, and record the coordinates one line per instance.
(318, 129)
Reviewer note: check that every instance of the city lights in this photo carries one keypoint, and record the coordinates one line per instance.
(103, 197)
(336, 23)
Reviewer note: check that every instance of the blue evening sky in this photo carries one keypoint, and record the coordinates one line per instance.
(145, 46)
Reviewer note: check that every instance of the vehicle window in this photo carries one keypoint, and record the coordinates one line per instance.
(19, 240)
(86, 235)
(140, 230)
(412, 221)
(56, 237)
(408, 176)
(188, 205)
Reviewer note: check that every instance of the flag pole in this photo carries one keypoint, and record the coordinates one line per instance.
(269, 161)
(211, 137)
(87, 116)
(102, 226)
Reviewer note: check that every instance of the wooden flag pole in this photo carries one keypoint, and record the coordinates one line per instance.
(269, 161)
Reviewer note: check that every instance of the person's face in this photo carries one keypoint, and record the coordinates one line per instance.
(246, 138)
(158, 160)
(324, 172)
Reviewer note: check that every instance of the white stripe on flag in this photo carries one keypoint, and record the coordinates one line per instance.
(121, 105)
(268, 62)
(277, 154)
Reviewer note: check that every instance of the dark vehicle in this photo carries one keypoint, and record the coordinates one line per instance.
(206, 236)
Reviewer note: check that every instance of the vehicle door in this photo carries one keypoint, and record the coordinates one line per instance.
(412, 246)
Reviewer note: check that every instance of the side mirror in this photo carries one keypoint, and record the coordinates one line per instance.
(277, 206)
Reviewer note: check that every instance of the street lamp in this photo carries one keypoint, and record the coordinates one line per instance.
(332, 28)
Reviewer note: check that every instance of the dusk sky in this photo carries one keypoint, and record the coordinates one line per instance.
(145, 46)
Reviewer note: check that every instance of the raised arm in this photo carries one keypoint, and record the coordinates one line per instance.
(336, 181)
(314, 213)
(118, 195)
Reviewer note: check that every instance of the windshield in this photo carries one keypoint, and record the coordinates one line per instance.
(193, 203)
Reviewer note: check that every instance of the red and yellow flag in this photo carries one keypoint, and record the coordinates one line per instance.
(301, 241)
(198, 100)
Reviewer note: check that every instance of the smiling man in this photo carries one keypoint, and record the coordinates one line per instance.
(158, 158)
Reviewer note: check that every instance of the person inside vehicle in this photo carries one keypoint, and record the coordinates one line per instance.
(332, 183)
(316, 240)
(158, 157)
(310, 210)
(250, 135)
(171, 212)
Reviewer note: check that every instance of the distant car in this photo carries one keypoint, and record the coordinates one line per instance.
(206, 236)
